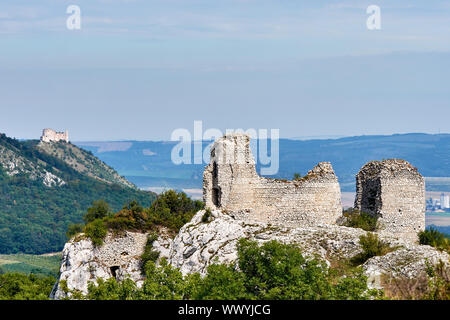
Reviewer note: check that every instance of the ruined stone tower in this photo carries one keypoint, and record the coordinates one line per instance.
(230, 182)
(394, 191)
(50, 135)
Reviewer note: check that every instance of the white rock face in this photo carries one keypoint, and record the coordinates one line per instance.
(118, 257)
(200, 244)
(14, 163)
(50, 180)
(407, 262)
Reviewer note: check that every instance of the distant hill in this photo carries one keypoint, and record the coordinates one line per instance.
(148, 163)
(46, 186)
(83, 162)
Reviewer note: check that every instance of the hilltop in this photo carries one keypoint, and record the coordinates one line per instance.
(45, 186)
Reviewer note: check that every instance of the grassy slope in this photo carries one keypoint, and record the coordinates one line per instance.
(26, 263)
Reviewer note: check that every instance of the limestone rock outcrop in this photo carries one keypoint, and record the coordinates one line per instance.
(199, 244)
(118, 257)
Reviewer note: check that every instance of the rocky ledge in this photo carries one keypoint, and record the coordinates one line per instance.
(199, 244)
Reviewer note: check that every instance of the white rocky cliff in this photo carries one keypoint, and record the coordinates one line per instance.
(199, 244)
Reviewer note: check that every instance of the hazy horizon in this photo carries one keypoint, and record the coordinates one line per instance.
(303, 138)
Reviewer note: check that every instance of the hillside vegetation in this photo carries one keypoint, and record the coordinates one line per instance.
(83, 162)
(41, 194)
(171, 210)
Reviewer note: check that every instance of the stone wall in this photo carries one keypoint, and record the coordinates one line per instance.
(394, 191)
(50, 135)
(230, 182)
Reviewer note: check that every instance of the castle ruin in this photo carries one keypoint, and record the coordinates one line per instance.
(50, 135)
(394, 192)
(230, 182)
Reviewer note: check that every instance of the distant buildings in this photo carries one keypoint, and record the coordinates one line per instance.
(445, 201)
(438, 205)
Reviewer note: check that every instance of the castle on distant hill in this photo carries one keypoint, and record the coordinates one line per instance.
(50, 135)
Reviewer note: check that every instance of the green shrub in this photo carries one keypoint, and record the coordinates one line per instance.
(358, 219)
(149, 254)
(96, 231)
(17, 286)
(222, 282)
(162, 282)
(171, 211)
(438, 282)
(434, 238)
(74, 229)
(99, 210)
(371, 246)
(111, 290)
(279, 271)
(207, 215)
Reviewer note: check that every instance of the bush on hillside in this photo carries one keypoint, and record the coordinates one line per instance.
(434, 238)
(171, 210)
(359, 219)
(96, 231)
(17, 286)
(371, 246)
(99, 210)
(149, 254)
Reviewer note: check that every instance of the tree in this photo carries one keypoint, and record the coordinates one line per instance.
(100, 209)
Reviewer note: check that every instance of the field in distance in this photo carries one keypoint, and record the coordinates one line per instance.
(46, 264)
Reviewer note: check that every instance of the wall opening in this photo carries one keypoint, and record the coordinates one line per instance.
(370, 196)
(215, 189)
(215, 196)
(114, 270)
(214, 172)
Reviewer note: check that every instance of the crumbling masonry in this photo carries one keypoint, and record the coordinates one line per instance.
(230, 182)
(392, 190)
(50, 135)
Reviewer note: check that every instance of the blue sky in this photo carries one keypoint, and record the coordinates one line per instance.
(140, 69)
